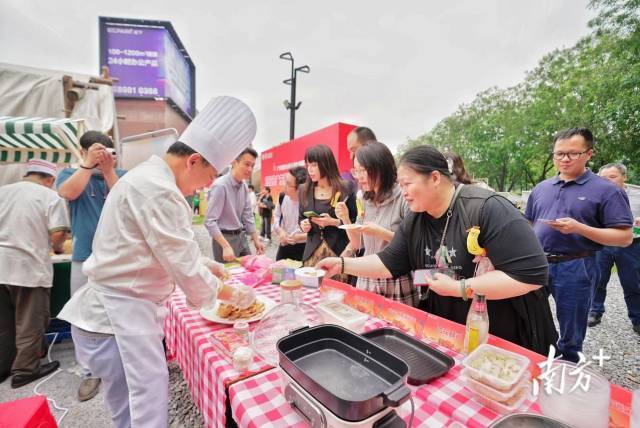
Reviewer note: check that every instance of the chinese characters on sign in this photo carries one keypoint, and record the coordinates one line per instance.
(553, 376)
(147, 63)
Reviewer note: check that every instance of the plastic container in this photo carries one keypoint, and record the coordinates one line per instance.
(291, 291)
(504, 408)
(310, 277)
(492, 393)
(282, 273)
(242, 328)
(575, 406)
(242, 357)
(342, 315)
(503, 384)
(278, 323)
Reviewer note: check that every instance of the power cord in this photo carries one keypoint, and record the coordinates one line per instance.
(64, 410)
(412, 411)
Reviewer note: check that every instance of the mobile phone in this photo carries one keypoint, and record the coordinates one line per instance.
(422, 276)
(550, 222)
(309, 214)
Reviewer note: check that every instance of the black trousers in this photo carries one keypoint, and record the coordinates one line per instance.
(265, 228)
(293, 252)
(24, 317)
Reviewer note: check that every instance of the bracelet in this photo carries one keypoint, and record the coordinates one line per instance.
(87, 167)
(463, 290)
(342, 268)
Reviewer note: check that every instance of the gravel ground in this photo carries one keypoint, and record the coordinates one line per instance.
(614, 335)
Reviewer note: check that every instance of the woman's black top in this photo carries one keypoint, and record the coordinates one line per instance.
(511, 246)
(337, 239)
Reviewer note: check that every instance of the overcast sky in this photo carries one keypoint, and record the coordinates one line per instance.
(396, 66)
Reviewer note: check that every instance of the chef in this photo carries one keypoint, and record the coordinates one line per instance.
(144, 245)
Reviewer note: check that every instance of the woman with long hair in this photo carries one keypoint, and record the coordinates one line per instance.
(504, 262)
(320, 194)
(384, 209)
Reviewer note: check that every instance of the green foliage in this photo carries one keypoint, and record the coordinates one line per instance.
(505, 135)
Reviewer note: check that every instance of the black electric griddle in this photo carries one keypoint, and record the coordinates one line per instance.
(425, 363)
(348, 374)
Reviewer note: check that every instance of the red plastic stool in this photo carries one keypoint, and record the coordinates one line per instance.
(32, 412)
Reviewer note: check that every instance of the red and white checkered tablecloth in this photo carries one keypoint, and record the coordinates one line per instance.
(258, 402)
(206, 370)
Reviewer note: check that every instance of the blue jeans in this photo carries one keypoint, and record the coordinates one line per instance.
(627, 261)
(571, 284)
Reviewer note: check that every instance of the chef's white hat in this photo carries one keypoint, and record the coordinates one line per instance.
(42, 166)
(221, 131)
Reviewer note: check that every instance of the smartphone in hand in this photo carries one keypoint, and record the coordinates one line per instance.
(309, 214)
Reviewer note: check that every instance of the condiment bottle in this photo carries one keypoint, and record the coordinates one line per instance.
(291, 291)
(477, 328)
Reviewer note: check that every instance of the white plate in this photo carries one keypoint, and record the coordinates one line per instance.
(212, 314)
(350, 226)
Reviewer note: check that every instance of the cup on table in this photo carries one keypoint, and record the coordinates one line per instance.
(576, 407)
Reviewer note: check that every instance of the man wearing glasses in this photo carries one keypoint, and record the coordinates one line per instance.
(574, 215)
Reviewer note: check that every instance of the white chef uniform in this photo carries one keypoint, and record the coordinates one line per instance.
(144, 244)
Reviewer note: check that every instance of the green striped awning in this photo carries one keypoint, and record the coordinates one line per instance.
(52, 139)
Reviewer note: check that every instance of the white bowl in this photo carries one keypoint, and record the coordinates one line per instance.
(309, 276)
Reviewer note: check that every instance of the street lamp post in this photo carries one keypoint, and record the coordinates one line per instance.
(291, 104)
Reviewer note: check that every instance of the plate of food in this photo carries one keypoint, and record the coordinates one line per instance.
(352, 226)
(224, 313)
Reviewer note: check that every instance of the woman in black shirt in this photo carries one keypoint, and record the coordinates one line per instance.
(321, 193)
(434, 236)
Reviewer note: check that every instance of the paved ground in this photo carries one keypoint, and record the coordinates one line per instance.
(614, 335)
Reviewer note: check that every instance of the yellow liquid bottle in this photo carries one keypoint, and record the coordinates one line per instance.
(477, 327)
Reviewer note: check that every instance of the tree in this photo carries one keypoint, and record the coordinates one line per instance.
(505, 135)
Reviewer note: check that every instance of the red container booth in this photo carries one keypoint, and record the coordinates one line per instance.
(277, 161)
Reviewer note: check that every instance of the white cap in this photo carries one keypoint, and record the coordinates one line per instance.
(42, 166)
(221, 131)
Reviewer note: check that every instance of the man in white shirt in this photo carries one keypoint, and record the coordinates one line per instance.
(144, 245)
(33, 219)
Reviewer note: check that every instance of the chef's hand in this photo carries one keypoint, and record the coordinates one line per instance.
(332, 265)
(227, 254)
(305, 225)
(444, 285)
(242, 296)
(216, 268)
(566, 225)
(325, 220)
(342, 212)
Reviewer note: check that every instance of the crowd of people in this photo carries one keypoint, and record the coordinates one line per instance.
(399, 229)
